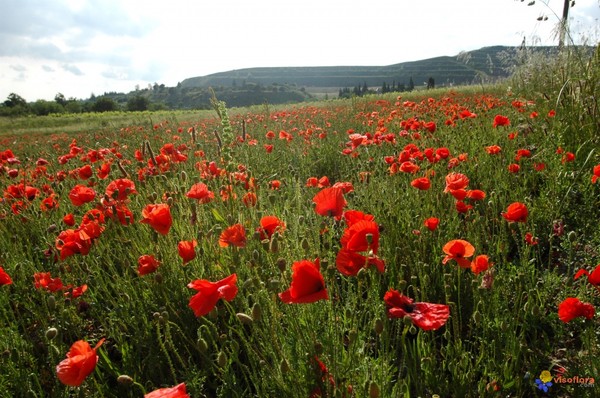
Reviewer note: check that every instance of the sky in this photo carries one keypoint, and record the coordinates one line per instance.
(84, 47)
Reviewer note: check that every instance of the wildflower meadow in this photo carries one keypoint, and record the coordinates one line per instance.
(441, 243)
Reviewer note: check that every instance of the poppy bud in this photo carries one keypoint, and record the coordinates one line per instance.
(202, 345)
(305, 245)
(412, 330)
(183, 175)
(301, 220)
(477, 317)
(256, 311)
(274, 284)
(51, 333)
(352, 335)
(272, 199)
(281, 264)
(402, 284)
(265, 243)
(51, 303)
(318, 347)
(572, 236)
(284, 366)
(248, 284)
(165, 315)
(156, 315)
(373, 390)
(535, 310)
(125, 380)
(244, 318)
(425, 361)
(51, 228)
(378, 326)
(158, 278)
(221, 359)
(274, 244)
(170, 200)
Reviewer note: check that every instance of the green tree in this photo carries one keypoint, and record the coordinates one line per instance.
(138, 103)
(14, 100)
(60, 99)
(43, 107)
(104, 104)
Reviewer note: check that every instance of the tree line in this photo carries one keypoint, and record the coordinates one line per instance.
(360, 90)
(15, 105)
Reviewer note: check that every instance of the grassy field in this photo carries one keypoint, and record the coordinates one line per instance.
(417, 246)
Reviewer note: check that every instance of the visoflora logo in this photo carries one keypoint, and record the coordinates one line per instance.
(546, 380)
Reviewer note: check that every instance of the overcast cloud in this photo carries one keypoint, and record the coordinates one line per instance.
(80, 47)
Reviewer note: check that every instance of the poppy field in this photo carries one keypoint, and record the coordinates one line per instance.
(443, 243)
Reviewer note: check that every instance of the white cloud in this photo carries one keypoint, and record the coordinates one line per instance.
(112, 45)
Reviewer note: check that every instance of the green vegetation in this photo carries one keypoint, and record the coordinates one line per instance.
(503, 328)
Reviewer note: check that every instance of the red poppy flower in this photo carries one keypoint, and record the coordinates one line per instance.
(458, 194)
(426, 316)
(120, 189)
(456, 181)
(249, 199)
(421, 183)
(147, 264)
(568, 157)
(458, 250)
(75, 292)
(353, 216)
(234, 235)
(307, 284)
(209, 293)
(476, 194)
(516, 212)
(409, 167)
(361, 236)
(596, 173)
(158, 216)
(43, 280)
(70, 242)
(500, 120)
(69, 219)
(81, 194)
(80, 362)
(480, 263)
(330, 202)
(592, 277)
(178, 391)
(4, 278)
(432, 223)
(269, 225)
(349, 262)
(530, 240)
(462, 207)
(186, 250)
(572, 308)
(323, 182)
(493, 149)
(85, 172)
(513, 168)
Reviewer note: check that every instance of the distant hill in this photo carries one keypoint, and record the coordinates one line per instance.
(485, 64)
